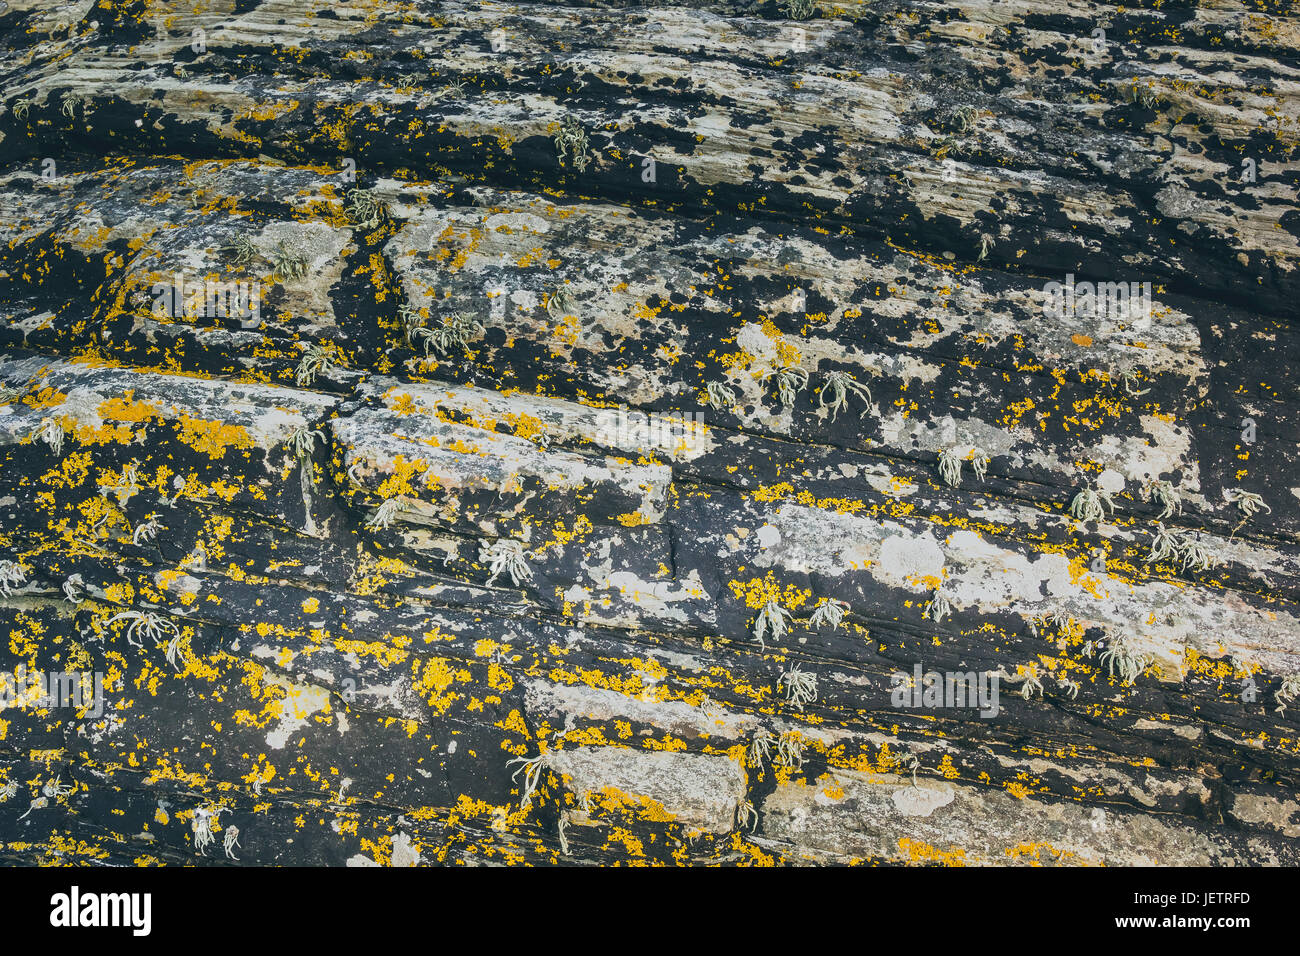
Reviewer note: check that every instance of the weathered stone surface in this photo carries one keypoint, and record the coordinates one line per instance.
(942, 823)
(444, 553)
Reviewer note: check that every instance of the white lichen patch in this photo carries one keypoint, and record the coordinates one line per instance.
(905, 560)
(1165, 449)
(455, 457)
(656, 597)
(697, 790)
(922, 801)
(1163, 620)
(255, 410)
(758, 343)
(569, 702)
(517, 222)
(300, 702)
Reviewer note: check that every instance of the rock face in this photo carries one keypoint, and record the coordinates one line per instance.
(578, 434)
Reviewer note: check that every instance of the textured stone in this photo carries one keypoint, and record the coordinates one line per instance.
(290, 575)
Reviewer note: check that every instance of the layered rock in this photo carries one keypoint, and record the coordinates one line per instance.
(441, 426)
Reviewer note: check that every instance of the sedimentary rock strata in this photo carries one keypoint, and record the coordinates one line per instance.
(540, 433)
